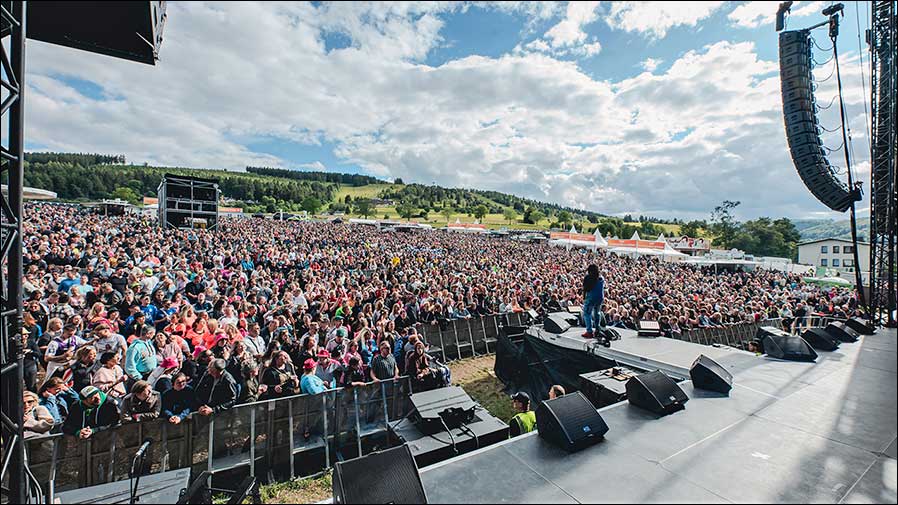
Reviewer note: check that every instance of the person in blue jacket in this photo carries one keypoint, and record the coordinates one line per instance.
(593, 297)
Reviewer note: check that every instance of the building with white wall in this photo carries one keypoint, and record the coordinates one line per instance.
(835, 254)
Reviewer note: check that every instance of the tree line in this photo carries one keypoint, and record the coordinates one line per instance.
(302, 175)
(76, 177)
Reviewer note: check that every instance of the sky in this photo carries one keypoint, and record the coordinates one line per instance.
(653, 108)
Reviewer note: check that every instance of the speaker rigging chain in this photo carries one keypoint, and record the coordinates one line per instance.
(827, 130)
(814, 41)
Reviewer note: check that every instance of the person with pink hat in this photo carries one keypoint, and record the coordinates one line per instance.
(311, 384)
(161, 378)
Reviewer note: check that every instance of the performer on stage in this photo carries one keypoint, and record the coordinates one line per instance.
(593, 297)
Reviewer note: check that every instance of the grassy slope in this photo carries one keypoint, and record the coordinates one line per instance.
(474, 375)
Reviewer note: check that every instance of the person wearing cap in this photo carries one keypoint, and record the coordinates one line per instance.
(91, 414)
(311, 384)
(161, 378)
(328, 369)
(277, 377)
(142, 404)
(338, 340)
(525, 419)
(353, 374)
(593, 297)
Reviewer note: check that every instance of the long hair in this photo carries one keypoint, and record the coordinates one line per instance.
(593, 270)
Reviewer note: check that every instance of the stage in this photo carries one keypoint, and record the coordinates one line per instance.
(788, 432)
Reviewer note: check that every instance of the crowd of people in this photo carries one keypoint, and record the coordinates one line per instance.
(126, 322)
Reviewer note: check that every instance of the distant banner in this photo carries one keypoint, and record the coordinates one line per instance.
(472, 226)
(632, 244)
(582, 237)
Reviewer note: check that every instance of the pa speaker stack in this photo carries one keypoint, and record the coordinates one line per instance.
(842, 332)
(781, 345)
(656, 392)
(802, 128)
(353, 483)
(570, 422)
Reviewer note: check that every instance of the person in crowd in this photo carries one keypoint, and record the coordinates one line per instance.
(179, 401)
(109, 377)
(91, 414)
(161, 378)
(353, 374)
(142, 403)
(328, 369)
(418, 367)
(311, 384)
(31, 355)
(37, 420)
(217, 390)
(82, 370)
(556, 391)
(278, 378)
(255, 344)
(141, 358)
(57, 397)
(383, 365)
(525, 419)
(61, 350)
(252, 390)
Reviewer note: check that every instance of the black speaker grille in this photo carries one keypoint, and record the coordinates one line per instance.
(570, 421)
(360, 480)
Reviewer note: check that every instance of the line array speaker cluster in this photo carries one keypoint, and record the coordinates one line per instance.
(802, 128)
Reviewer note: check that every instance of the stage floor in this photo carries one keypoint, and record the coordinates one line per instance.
(789, 432)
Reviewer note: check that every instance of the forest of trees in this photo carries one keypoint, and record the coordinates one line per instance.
(301, 175)
(77, 176)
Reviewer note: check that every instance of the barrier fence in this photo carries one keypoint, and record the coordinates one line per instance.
(280, 439)
(467, 338)
(740, 335)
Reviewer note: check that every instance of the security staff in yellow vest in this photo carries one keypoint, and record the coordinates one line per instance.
(525, 420)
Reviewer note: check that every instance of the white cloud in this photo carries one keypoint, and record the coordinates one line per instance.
(569, 31)
(753, 14)
(672, 143)
(654, 19)
(756, 14)
(650, 64)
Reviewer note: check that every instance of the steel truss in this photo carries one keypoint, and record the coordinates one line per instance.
(12, 119)
(883, 197)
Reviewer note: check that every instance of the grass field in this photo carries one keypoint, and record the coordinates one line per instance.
(368, 191)
(474, 375)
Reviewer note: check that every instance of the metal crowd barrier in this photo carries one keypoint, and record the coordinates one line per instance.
(740, 334)
(467, 338)
(284, 438)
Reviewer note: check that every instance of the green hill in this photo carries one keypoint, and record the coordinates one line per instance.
(816, 229)
(85, 177)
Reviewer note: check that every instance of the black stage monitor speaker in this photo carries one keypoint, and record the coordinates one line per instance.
(570, 422)
(353, 482)
(842, 332)
(781, 345)
(442, 408)
(555, 323)
(708, 374)
(860, 326)
(656, 392)
(819, 339)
